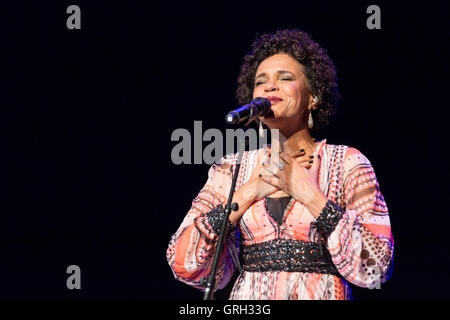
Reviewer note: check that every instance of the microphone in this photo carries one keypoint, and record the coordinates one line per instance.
(257, 108)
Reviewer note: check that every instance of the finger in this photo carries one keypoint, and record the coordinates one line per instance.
(267, 150)
(286, 158)
(305, 162)
(306, 165)
(305, 158)
(298, 153)
(262, 160)
(262, 154)
(276, 163)
(316, 163)
(270, 169)
(270, 179)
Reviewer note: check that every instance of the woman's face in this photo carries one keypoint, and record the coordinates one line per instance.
(280, 79)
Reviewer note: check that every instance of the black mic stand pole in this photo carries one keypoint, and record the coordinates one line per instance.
(210, 282)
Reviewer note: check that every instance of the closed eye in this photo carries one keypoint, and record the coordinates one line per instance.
(283, 79)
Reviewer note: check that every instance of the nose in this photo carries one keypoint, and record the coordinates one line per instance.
(270, 86)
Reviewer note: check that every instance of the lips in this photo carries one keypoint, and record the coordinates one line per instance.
(274, 99)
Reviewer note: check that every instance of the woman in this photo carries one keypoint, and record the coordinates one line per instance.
(309, 223)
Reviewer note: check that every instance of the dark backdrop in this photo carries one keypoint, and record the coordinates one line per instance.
(86, 171)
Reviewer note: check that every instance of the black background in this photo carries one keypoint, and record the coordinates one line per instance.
(87, 176)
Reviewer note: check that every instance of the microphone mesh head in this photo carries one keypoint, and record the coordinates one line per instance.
(264, 105)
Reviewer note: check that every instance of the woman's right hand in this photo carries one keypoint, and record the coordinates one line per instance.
(255, 186)
(254, 189)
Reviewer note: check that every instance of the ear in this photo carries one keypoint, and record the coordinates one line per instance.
(313, 102)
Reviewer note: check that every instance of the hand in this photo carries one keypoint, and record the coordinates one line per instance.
(299, 182)
(254, 189)
(302, 158)
(255, 186)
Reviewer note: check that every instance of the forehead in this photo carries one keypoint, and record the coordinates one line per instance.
(280, 61)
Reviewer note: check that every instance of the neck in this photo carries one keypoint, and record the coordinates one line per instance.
(298, 140)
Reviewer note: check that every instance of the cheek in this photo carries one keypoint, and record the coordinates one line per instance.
(297, 93)
(294, 90)
(257, 92)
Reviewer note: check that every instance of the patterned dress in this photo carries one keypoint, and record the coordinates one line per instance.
(359, 245)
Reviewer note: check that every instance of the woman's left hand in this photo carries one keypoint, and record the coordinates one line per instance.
(300, 183)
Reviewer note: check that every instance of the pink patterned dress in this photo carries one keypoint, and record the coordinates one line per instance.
(297, 259)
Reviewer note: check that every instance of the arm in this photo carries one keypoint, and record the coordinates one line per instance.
(359, 236)
(192, 247)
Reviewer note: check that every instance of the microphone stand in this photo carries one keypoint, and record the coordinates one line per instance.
(210, 282)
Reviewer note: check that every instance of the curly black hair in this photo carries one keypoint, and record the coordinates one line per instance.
(320, 71)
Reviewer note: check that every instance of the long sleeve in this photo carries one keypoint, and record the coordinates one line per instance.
(360, 240)
(191, 249)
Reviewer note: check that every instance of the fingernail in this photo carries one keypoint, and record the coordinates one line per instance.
(311, 157)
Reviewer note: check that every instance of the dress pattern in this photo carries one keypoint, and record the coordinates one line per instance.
(360, 245)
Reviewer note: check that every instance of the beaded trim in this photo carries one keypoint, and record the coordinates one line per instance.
(328, 219)
(287, 255)
(215, 218)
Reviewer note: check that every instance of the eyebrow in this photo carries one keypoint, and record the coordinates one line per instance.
(279, 72)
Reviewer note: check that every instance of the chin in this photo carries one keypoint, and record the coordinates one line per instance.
(274, 123)
(275, 117)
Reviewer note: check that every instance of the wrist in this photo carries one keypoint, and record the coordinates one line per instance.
(244, 198)
(246, 193)
(316, 203)
(216, 218)
(329, 218)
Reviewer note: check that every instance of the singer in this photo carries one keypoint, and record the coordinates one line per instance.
(308, 224)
